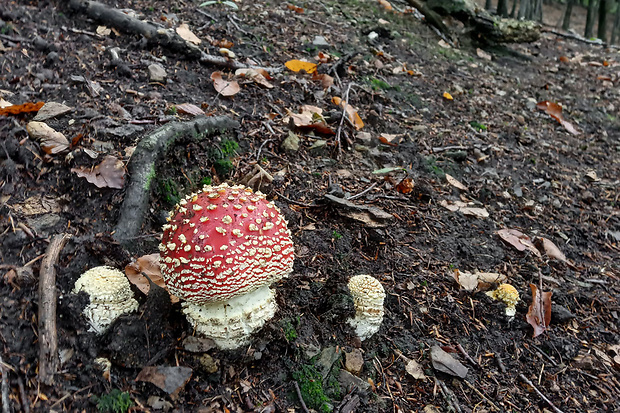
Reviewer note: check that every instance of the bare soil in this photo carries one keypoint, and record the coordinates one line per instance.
(468, 113)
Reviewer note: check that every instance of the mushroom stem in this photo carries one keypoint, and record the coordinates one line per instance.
(230, 323)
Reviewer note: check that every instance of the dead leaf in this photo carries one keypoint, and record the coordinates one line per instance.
(110, 173)
(51, 110)
(224, 87)
(467, 280)
(455, 183)
(296, 9)
(351, 112)
(405, 186)
(310, 118)
(447, 96)
(255, 76)
(391, 139)
(465, 208)
(189, 109)
(103, 31)
(548, 247)
(149, 265)
(326, 80)
(385, 4)
(186, 34)
(518, 240)
(483, 55)
(555, 111)
(478, 281)
(299, 65)
(415, 369)
(170, 379)
(20, 109)
(37, 205)
(51, 141)
(444, 362)
(539, 313)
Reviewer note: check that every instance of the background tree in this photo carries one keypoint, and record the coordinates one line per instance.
(502, 8)
(590, 19)
(602, 20)
(615, 30)
(567, 14)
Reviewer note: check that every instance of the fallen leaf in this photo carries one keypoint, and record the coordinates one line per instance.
(564, 59)
(51, 141)
(149, 265)
(555, 111)
(548, 247)
(466, 280)
(483, 55)
(103, 31)
(186, 34)
(296, 9)
(405, 186)
(169, 379)
(310, 118)
(20, 109)
(299, 65)
(539, 313)
(189, 109)
(415, 369)
(4, 103)
(385, 4)
(351, 112)
(444, 362)
(478, 281)
(465, 208)
(224, 87)
(455, 183)
(326, 80)
(518, 240)
(391, 139)
(110, 173)
(255, 76)
(51, 110)
(447, 96)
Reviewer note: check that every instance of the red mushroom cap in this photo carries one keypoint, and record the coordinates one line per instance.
(224, 242)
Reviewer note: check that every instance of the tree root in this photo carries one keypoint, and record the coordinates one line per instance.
(142, 169)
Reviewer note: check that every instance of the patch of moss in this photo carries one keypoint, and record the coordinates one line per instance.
(431, 166)
(311, 386)
(168, 191)
(221, 157)
(290, 333)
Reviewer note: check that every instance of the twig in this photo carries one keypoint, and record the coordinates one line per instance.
(500, 363)
(301, 399)
(48, 336)
(449, 396)
(22, 395)
(345, 102)
(450, 148)
(542, 396)
(292, 201)
(482, 395)
(362, 193)
(578, 38)
(467, 356)
(6, 407)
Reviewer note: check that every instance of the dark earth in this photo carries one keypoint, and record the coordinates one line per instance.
(526, 169)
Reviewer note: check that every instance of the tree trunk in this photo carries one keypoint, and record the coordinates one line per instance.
(502, 8)
(616, 29)
(524, 9)
(590, 19)
(602, 20)
(514, 9)
(537, 10)
(488, 4)
(567, 14)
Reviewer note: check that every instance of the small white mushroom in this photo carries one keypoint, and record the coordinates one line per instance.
(368, 295)
(110, 296)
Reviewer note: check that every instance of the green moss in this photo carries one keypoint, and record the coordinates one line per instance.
(168, 190)
(114, 402)
(478, 126)
(290, 333)
(431, 166)
(311, 385)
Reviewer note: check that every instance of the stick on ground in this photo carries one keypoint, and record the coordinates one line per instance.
(48, 336)
(6, 407)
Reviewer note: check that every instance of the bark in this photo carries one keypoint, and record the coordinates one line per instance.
(524, 9)
(602, 20)
(502, 8)
(590, 19)
(514, 9)
(567, 15)
(48, 335)
(488, 5)
(615, 31)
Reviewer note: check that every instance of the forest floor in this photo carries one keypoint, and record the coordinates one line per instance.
(457, 146)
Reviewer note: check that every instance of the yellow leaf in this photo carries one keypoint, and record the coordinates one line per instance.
(386, 4)
(298, 65)
(448, 96)
(351, 111)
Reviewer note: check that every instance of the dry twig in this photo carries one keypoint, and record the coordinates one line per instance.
(542, 396)
(6, 407)
(48, 336)
(301, 399)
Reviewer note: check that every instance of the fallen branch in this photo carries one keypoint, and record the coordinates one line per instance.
(578, 38)
(48, 335)
(155, 34)
(300, 397)
(6, 403)
(142, 168)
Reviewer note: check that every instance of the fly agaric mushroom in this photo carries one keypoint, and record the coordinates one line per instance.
(221, 250)
(368, 295)
(507, 294)
(110, 296)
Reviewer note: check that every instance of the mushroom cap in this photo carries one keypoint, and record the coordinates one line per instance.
(368, 295)
(223, 242)
(110, 296)
(507, 294)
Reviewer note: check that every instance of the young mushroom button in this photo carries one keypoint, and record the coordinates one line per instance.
(221, 250)
(368, 295)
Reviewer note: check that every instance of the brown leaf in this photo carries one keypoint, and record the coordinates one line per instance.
(110, 173)
(224, 87)
(444, 362)
(539, 313)
(455, 182)
(548, 247)
(169, 379)
(19, 109)
(149, 265)
(52, 142)
(518, 240)
(254, 75)
(186, 34)
(190, 109)
(310, 118)
(555, 111)
(405, 186)
(351, 111)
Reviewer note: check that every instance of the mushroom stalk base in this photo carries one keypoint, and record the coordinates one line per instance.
(230, 323)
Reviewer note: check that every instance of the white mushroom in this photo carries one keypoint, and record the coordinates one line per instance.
(110, 296)
(220, 252)
(368, 295)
